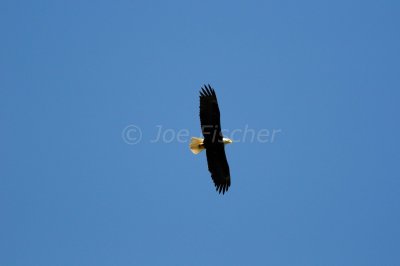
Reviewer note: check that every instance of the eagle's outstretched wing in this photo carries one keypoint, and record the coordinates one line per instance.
(213, 143)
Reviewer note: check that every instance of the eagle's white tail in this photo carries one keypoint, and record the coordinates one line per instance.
(196, 145)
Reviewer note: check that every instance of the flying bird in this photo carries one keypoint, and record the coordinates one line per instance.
(213, 141)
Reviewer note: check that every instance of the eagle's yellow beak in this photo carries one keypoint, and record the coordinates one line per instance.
(227, 141)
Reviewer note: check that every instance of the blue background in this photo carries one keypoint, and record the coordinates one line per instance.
(74, 74)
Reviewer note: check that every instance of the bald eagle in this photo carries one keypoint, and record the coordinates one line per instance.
(213, 141)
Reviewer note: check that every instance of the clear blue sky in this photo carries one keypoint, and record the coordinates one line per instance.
(74, 74)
